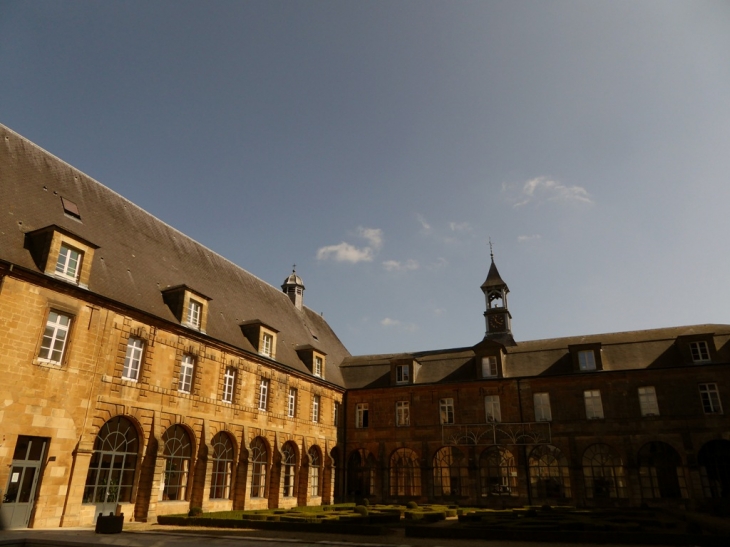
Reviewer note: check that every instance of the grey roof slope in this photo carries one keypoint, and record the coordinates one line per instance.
(139, 256)
(652, 348)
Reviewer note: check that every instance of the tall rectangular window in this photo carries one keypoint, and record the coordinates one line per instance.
(187, 368)
(54, 338)
(489, 367)
(229, 383)
(68, 263)
(402, 413)
(133, 360)
(315, 408)
(543, 412)
(402, 374)
(710, 397)
(446, 412)
(193, 316)
(263, 393)
(587, 359)
(336, 414)
(700, 351)
(492, 408)
(361, 415)
(648, 402)
(318, 366)
(266, 342)
(291, 403)
(594, 405)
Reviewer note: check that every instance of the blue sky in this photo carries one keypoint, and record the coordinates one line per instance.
(379, 145)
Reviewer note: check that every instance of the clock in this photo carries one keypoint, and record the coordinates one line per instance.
(496, 323)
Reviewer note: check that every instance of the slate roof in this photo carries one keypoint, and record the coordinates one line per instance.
(631, 350)
(493, 278)
(139, 256)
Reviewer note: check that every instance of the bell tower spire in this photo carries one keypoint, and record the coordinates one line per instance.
(497, 315)
(294, 288)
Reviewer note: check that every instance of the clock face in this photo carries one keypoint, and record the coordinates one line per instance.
(496, 323)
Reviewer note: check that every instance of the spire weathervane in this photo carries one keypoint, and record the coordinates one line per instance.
(491, 251)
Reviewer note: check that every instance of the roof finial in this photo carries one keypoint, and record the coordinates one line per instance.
(294, 268)
(491, 251)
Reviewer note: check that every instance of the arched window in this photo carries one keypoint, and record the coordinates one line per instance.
(660, 472)
(289, 468)
(405, 473)
(259, 459)
(549, 473)
(450, 473)
(360, 475)
(497, 472)
(113, 463)
(315, 465)
(714, 460)
(223, 453)
(178, 451)
(603, 471)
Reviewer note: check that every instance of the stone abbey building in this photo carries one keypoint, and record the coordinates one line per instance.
(145, 374)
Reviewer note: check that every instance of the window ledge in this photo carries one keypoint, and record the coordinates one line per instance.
(47, 363)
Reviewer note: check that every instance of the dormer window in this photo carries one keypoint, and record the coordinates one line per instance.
(189, 306)
(587, 360)
(267, 342)
(700, 351)
(402, 374)
(586, 357)
(490, 368)
(318, 366)
(194, 313)
(404, 370)
(68, 264)
(61, 254)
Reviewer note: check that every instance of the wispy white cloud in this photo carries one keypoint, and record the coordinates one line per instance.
(547, 189)
(440, 262)
(425, 226)
(526, 238)
(439, 311)
(396, 266)
(394, 323)
(460, 227)
(346, 252)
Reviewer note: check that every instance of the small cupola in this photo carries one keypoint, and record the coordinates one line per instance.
(294, 288)
(497, 315)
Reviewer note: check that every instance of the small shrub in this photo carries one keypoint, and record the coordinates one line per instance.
(361, 510)
(195, 511)
(365, 502)
(412, 505)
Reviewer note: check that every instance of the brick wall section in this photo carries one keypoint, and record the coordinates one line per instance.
(69, 404)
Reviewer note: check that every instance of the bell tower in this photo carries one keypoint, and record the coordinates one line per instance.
(294, 288)
(497, 315)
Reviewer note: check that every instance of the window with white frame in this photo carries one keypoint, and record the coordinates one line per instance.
(446, 412)
(229, 383)
(648, 402)
(402, 374)
(587, 359)
(194, 312)
(361, 415)
(336, 414)
(710, 397)
(594, 405)
(187, 368)
(317, 366)
(543, 412)
(492, 409)
(55, 337)
(263, 393)
(133, 360)
(291, 403)
(489, 367)
(315, 408)
(700, 351)
(267, 341)
(68, 265)
(402, 413)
